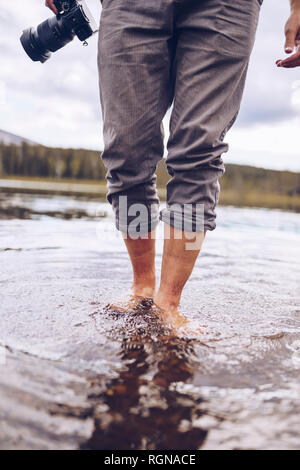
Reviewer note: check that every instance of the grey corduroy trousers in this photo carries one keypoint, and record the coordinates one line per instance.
(193, 54)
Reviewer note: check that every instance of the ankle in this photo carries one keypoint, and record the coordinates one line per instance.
(167, 300)
(144, 287)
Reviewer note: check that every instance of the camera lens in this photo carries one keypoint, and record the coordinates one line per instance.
(50, 36)
(32, 46)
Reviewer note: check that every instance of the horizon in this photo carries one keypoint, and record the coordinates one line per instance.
(26, 140)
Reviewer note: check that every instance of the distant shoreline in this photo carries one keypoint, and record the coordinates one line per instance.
(52, 186)
(91, 189)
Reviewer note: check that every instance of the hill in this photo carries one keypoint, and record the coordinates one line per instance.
(9, 138)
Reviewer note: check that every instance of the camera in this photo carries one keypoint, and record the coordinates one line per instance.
(74, 19)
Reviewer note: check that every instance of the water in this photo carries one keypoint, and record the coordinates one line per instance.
(73, 376)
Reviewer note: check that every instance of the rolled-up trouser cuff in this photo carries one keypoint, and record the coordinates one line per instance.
(134, 218)
(136, 208)
(133, 227)
(189, 218)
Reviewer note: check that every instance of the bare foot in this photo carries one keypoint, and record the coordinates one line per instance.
(171, 317)
(131, 301)
(168, 313)
(177, 322)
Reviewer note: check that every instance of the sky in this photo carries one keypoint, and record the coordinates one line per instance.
(57, 103)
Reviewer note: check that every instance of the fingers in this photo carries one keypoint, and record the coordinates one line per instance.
(292, 44)
(291, 32)
(290, 64)
(292, 61)
(50, 4)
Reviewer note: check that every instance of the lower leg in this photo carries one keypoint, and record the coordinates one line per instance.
(142, 256)
(181, 250)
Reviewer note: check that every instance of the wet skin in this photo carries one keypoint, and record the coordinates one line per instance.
(181, 250)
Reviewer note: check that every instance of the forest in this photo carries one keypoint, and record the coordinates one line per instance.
(241, 185)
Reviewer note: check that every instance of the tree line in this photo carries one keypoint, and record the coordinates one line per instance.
(40, 161)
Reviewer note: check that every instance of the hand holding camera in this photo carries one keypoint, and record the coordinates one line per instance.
(50, 4)
(73, 18)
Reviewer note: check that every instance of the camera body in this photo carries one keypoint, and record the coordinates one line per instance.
(73, 19)
(65, 5)
(75, 16)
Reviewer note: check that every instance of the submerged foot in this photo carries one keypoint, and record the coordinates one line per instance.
(132, 301)
(170, 316)
(166, 307)
(177, 322)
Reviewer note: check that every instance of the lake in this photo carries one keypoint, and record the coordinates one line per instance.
(76, 376)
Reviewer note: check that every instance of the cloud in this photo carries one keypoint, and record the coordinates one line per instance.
(58, 103)
(274, 145)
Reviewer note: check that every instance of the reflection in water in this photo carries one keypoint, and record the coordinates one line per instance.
(141, 409)
(30, 207)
